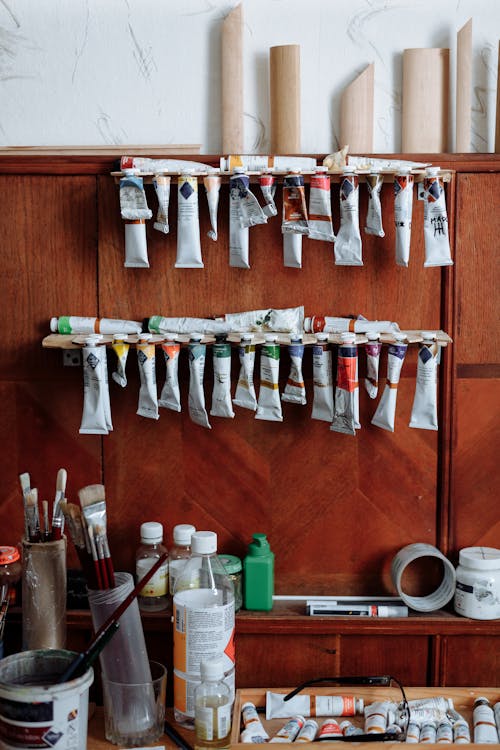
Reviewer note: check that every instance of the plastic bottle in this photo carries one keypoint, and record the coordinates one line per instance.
(203, 622)
(213, 703)
(153, 597)
(258, 573)
(485, 730)
(180, 551)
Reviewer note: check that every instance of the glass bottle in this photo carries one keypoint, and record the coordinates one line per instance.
(180, 551)
(213, 701)
(153, 597)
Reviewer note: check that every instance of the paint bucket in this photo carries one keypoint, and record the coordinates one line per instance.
(36, 712)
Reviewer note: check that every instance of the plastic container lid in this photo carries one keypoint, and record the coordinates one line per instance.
(151, 532)
(259, 545)
(482, 558)
(8, 555)
(183, 532)
(204, 542)
(231, 563)
(212, 669)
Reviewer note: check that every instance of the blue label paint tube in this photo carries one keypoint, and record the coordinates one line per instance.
(188, 224)
(436, 237)
(148, 396)
(295, 390)
(348, 249)
(269, 403)
(250, 211)
(385, 413)
(424, 409)
(196, 399)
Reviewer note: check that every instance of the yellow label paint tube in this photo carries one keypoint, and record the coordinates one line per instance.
(344, 409)
(294, 205)
(424, 409)
(295, 390)
(372, 349)
(250, 211)
(166, 326)
(279, 320)
(212, 184)
(238, 235)
(121, 348)
(374, 182)
(76, 324)
(245, 390)
(257, 162)
(221, 395)
(93, 417)
(292, 250)
(385, 413)
(170, 397)
(323, 379)
(161, 184)
(146, 359)
(269, 403)
(267, 185)
(348, 249)
(320, 207)
(436, 237)
(403, 208)
(188, 224)
(196, 399)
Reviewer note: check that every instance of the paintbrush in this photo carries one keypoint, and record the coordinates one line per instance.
(57, 516)
(83, 661)
(46, 530)
(25, 489)
(93, 502)
(95, 558)
(32, 515)
(73, 518)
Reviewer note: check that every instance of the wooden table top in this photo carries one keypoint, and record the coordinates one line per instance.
(97, 741)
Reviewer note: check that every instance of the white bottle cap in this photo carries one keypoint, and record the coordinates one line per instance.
(373, 336)
(348, 338)
(195, 337)
(151, 532)
(212, 669)
(204, 542)
(323, 336)
(183, 532)
(270, 338)
(53, 325)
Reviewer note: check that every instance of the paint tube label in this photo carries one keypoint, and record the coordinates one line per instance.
(133, 204)
(170, 397)
(250, 212)
(376, 717)
(111, 326)
(372, 365)
(413, 732)
(289, 731)
(162, 188)
(268, 189)
(436, 237)
(308, 731)
(188, 224)
(485, 730)
(320, 209)
(294, 205)
(348, 250)
(148, 397)
(238, 235)
(221, 394)
(71, 324)
(292, 250)
(329, 324)
(285, 320)
(373, 224)
(121, 349)
(269, 403)
(212, 184)
(444, 733)
(329, 730)
(196, 398)
(93, 417)
(343, 417)
(295, 390)
(323, 383)
(461, 732)
(245, 395)
(403, 207)
(385, 413)
(424, 409)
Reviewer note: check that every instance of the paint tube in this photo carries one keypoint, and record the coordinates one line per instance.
(318, 323)
(322, 379)
(372, 349)
(413, 732)
(308, 705)
(403, 207)
(349, 729)
(136, 245)
(461, 732)
(308, 731)
(329, 730)
(74, 324)
(385, 413)
(250, 211)
(238, 235)
(145, 164)
(188, 223)
(212, 184)
(146, 359)
(121, 348)
(444, 733)
(221, 394)
(196, 399)
(159, 324)
(294, 205)
(93, 417)
(284, 320)
(421, 710)
(295, 390)
(256, 163)
(162, 188)
(105, 380)
(292, 250)
(134, 209)
(483, 717)
(374, 182)
(253, 727)
(424, 409)
(245, 395)
(289, 731)
(269, 403)
(170, 397)
(267, 185)
(344, 419)
(389, 165)
(428, 733)
(320, 207)
(348, 249)
(496, 712)
(376, 714)
(436, 237)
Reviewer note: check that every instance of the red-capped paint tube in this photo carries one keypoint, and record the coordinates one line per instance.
(344, 416)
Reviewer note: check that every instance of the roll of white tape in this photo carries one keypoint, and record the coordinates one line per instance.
(445, 591)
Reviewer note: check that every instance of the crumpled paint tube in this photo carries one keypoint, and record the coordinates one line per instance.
(245, 395)
(294, 205)
(93, 417)
(348, 249)
(238, 235)
(221, 394)
(161, 184)
(196, 399)
(295, 390)
(372, 349)
(146, 359)
(250, 209)
(279, 320)
(292, 250)
(436, 237)
(322, 378)
(170, 397)
(212, 184)
(320, 207)
(121, 348)
(188, 224)
(268, 188)
(374, 182)
(145, 164)
(257, 162)
(355, 325)
(134, 209)
(269, 403)
(344, 410)
(164, 326)
(77, 324)
(403, 208)
(424, 409)
(385, 413)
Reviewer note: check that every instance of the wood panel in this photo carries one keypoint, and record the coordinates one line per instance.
(403, 657)
(466, 661)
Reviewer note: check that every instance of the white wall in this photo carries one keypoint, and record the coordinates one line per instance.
(95, 72)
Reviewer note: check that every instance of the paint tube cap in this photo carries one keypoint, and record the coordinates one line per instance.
(212, 668)
(93, 338)
(400, 336)
(295, 338)
(170, 336)
(131, 171)
(183, 532)
(120, 336)
(151, 532)
(246, 336)
(432, 171)
(270, 338)
(347, 169)
(428, 335)
(348, 337)
(196, 337)
(144, 337)
(53, 325)
(204, 542)
(307, 325)
(373, 336)
(238, 170)
(323, 336)
(220, 338)
(321, 170)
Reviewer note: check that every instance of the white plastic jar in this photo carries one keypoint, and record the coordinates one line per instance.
(477, 593)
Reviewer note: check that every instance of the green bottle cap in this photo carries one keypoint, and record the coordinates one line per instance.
(231, 563)
(259, 545)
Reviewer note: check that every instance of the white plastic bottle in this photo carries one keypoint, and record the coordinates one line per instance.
(203, 622)
(212, 712)
(180, 551)
(154, 595)
(485, 730)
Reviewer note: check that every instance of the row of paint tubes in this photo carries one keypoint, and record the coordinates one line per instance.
(337, 405)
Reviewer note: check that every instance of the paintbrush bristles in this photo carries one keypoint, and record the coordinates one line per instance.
(62, 478)
(93, 493)
(25, 482)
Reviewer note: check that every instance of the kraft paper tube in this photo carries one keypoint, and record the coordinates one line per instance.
(463, 116)
(497, 128)
(425, 100)
(284, 64)
(232, 82)
(44, 594)
(356, 113)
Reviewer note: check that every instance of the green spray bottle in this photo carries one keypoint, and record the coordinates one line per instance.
(258, 570)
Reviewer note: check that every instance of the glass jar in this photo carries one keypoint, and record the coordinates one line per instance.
(10, 571)
(234, 569)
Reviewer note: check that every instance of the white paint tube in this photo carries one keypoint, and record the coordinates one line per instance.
(212, 184)
(269, 403)
(105, 392)
(436, 237)
(134, 209)
(428, 732)
(76, 324)
(292, 250)
(434, 708)
(318, 323)
(403, 208)
(93, 417)
(413, 732)
(444, 733)
(164, 326)
(250, 210)
(295, 390)
(372, 349)
(188, 224)
(390, 165)
(344, 409)
(483, 718)
(162, 188)
(320, 207)
(308, 731)
(461, 732)
(374, 182)
(267, 185)
(279, 320)
(196, 399)
(289, 731)
(294, 205)
(424, 409)
(148, 396)
(322, 379)
(238, 235)
(136, 244)
(121, 348)
(308, 705)
(386, 410)
(348, 249)
(245, 395)
(256, 162)
(145, 164)
(254, 729)
(170, 397)
(221, 393)
(376, 717)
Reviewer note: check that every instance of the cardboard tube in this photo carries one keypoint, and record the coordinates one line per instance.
(356, 113)
(44, 594)
(232, 82)
(497, 128)
(463, 112)
(284, 64)
(425, 100)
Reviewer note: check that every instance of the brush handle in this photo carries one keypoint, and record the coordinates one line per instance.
(109, 563)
